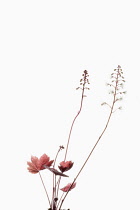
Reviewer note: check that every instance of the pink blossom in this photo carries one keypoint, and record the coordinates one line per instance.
(68, 186)
(38, 164)
(65, 166)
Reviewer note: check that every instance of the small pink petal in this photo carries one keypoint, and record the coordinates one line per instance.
(67, 187)
(65, 166)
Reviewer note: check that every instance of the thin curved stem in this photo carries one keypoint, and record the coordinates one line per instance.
(83, 89)
(44, 188)
(60, 199)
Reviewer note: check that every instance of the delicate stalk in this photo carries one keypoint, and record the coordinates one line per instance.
(44, 188)
(60, 199)
(58, 183)
(85, 80)
(60, 148)
(111, 112)
(54, 176)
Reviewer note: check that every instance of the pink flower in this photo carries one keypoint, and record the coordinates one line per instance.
(65, 166)
(38, 164)
(68, 186)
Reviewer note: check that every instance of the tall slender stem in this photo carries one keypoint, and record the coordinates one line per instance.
(83, 89)
(73, 124)
(54, 194)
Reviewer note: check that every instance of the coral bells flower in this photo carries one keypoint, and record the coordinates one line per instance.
(65, 166)
(38, 164)
(68, 186)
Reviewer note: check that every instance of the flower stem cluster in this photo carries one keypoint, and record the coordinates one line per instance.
(38, 164)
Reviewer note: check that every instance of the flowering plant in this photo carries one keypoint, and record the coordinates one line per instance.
(37, 164)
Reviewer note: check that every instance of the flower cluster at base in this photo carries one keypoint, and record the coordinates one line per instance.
(38, 164)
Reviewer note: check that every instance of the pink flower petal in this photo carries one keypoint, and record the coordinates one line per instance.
(65, 166)
(38, 164)
(67, 187)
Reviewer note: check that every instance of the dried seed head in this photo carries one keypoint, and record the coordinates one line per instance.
(116, 85)
(84, 80)
(61, 147)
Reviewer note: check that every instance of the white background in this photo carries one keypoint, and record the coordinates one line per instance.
(44, 48)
